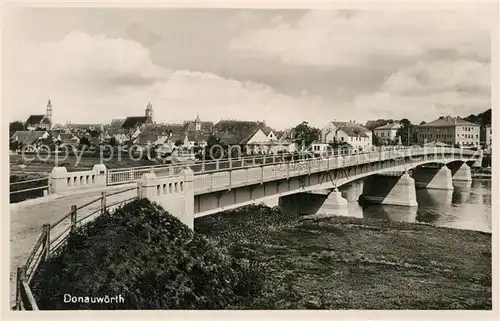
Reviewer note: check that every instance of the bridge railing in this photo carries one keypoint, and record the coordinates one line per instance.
(54, 235)
(127, 175)
(236, 177)
(132, 174)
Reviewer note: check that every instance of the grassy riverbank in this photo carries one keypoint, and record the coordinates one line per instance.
(259, 258)
(18, 178)
(350, 263)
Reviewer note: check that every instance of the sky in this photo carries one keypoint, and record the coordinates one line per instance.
(281, 66)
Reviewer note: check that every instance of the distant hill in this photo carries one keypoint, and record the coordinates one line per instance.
(482, 119)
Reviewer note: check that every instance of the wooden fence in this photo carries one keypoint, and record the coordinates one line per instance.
(53, 236)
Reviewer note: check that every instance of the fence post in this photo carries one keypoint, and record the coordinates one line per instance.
(139, 190)
(19, 282)
(217, 165)
(242, 161)
(103, 202)
(46, 230)
(73, 217)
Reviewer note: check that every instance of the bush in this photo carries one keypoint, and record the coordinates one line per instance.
(151, 259)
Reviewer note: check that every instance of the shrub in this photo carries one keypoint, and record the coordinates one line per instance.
(151, 259)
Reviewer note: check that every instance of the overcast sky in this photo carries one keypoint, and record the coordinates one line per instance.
(282, 66)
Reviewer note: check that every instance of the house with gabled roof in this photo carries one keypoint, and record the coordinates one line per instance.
(349, 132)
(31, 138)
(35, 122)
(388, 131)
(255, 136)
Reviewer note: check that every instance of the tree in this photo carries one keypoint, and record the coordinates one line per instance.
(84, 141)
(483, 118)
(209, 152)
(379, 141)
(112, 141)
(94, 133)
(14, 145)
(178, 143)
(422, 123)
(14, 127)
(372, 124)
(306, 134)
(407, 132)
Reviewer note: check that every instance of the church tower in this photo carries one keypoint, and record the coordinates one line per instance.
(149, 112)
(48, 112)
(197, 123)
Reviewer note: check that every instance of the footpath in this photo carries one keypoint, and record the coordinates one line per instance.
(27, 219)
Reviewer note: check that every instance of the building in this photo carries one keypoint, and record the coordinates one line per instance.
(44, 122)
(64, 140)
(350, 132)
(29, 139)
(451, 131)
(255, 136)
(84, 127)
(388, 131)
(486, 136)
(198, 126)
(132, 123)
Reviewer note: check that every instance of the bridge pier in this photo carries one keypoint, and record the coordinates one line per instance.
(320, 202)
(389, 190)
(463, 173)
(433, 178)
(334, 199)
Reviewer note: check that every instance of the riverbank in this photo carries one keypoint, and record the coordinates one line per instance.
(352, 263)
(26, 181)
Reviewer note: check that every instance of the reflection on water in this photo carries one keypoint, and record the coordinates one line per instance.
(468, 206)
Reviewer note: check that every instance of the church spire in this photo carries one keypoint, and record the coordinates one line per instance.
(48, 112)
(149, 111)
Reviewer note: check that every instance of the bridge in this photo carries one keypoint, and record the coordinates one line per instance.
(189, 192)
(210, 187)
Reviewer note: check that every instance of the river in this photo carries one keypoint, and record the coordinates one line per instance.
(468, 206)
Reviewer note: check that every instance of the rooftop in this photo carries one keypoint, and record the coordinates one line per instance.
(389, 126)
(448, 121)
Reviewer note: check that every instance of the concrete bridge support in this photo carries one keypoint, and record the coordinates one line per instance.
(174, 194)
(321, 202)
(433, 177)
(463, 173)
(389, 190)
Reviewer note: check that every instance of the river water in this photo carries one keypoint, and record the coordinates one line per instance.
(468, 206)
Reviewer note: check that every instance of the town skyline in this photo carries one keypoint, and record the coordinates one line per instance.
(96, 72)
